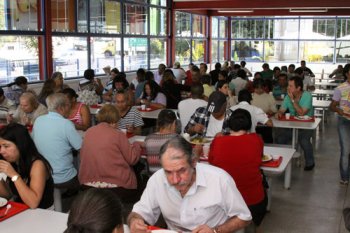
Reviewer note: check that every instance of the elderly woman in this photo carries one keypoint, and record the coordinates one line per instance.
(28, 173)
(166, 124)
(240, 155)
(28, 110)
(95, 210)
(107, 157)
(79, 113)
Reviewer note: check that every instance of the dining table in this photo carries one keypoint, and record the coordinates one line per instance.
(38, 221)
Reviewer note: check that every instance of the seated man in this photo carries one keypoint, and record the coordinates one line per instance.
(191, 196)
(299, 103)
(56, 137)
(130, 117)
(212, 119)
(6, 107)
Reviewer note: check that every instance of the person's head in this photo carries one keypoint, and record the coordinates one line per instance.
(222, 86)
(89, 74)
(95, 210)
(258, 85)
(197, 91)
(22, 82)
(244, 95)
(240, 120)
(167, 120)
(265, 66)
(284, 69)
(48, 88)
(122, 100)
(243, 63)
(346, 71)
(161, 69)
(2, 96)
(18, 148)
(178, 163)
(120, 82)
(28, 102)
(151, 90)
(236, 67)
(114, 72)
(302, 63)
(217, 66)
(257, 75)
(140, 75)
(241, 73)
(283, 80)
(59, 103)
(291, 68)
(58, 78)
(340, 67)
(109, 114)
(203, 68)
(276, 71)
(168, 76)
(196, 76)
(206, 79)
(190, 66)
(177, 65)
(223, 75)
(217, 104)
(71, 94)
(295, 85)
(149, 76)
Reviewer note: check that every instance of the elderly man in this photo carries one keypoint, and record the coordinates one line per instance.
(56, 137)
(191, 196)
(130, 117)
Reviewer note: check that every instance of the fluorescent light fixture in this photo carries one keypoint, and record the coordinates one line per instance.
(237, 11)
(305, 10)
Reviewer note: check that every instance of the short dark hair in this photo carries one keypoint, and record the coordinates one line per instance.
(346, 70)
(197, 90)
(224, 73)
(115, 70)
(283, 75)
(291, 65)
(244, 95)
(220, 84)
(70, 93)
(217, 66)
(179, 143)
(243, 63)
(89, 74)
(258, 83)
(298, 82)
(95, 210)
(206, 79)
(195, 68)
(241, 73)
(240, 119)
(120, 78)
(166, 117)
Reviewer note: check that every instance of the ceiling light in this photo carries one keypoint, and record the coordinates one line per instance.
(303, 10)
(237, 11)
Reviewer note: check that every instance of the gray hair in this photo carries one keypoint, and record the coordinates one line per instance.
(179, 143)
(56, 101)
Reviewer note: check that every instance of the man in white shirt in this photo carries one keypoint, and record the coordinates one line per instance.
(191, 197)
(188, 106)
(178, 72)
(257, 114)
(158, 75)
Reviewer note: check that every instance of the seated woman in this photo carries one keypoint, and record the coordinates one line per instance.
(118, 83)
(152, 96)
(240, 155)
(47, 89)
(79, 113)
(58, 78)
(28, 110)
(107, 157)
(171, 89)
(28, 173)
(166, 124)
(95, 210)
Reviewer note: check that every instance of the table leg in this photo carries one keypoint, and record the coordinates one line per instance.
(269, 194)
(288, 176)
(293, 138)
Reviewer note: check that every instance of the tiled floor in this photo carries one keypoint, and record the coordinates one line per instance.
(316, 199)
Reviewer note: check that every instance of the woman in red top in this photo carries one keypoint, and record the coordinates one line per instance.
(239, 154)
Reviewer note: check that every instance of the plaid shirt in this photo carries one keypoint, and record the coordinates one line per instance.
(202, 116)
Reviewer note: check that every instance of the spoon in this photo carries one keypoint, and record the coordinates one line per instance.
(8, 207)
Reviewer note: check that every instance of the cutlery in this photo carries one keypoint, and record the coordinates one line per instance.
(8, 207)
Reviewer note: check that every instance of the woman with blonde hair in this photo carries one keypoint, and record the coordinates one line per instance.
(107, 157)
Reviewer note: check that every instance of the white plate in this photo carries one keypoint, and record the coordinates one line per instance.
(163, 231)
(3, 202)
(266, 158)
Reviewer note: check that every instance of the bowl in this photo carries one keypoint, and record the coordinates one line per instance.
(3, 202)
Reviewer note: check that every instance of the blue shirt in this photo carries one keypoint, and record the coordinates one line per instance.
(55, 137)
(304, 102)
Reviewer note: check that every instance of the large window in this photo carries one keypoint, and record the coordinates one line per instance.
(219, 39)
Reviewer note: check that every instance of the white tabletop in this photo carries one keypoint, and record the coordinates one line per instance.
(151, 114)
(326, 84)
(322, 92)
(37, 220)
(286, 153)
(295, 124)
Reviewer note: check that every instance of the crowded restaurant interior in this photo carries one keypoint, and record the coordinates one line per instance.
(170, 116)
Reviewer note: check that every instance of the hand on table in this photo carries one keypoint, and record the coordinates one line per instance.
(202, 229)
(138, 226)
(7, 168)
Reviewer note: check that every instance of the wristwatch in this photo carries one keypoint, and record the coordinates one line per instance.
(14, 178)
(293, 101)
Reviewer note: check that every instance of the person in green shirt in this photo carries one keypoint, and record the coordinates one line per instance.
(298, 103)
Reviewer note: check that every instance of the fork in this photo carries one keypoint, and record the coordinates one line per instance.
(8, 207)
